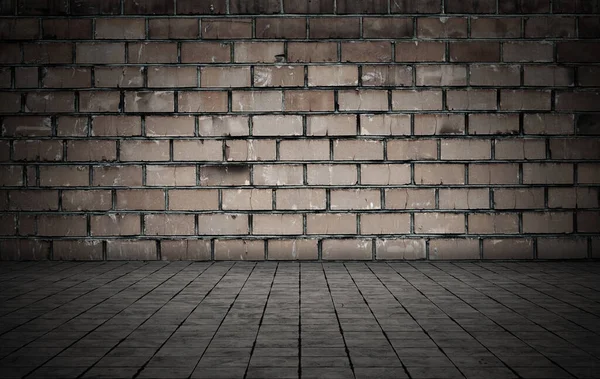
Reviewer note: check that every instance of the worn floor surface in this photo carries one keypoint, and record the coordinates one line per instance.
(309, 320)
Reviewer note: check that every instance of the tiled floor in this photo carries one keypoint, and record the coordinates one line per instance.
(286, 320)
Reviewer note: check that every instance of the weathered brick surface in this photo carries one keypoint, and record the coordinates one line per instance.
(252, 130)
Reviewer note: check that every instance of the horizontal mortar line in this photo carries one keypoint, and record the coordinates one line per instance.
(335, 161)
(284, 15)
(350, 38)
(347, 211)
(568, 64)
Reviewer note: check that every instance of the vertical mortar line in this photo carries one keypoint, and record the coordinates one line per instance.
(480, 247)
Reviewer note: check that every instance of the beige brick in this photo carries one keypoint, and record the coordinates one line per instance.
(145, 150)
(331, 223)
(520, 148)
(493, 223)
(256, 101)
(518, 100)
(176, 76)
(304, 150)
(416, 100)
(296, 249)
(247, 199)
(309, 100)
(386, 223)
(355, 199)
(405, 198)
(330, 125)
(579, 197)
(467, 149)
(277, 175)
(494, 173)
(471, 99)
(402, 150)
(250, 150)
(357, 150)
(140, 199)
(508, 248)
(366, 51)
(277, 224)
(548, 222)
(225, 76)
(561, 248)
(542, 173)
(441, 75)
(212, 126)
(91, 150)
(202, 101)
(492, 75)
(542, 123)
(439, 173)
(131, 250)
(169, 225)
(193, 199)
(385, 174)
(239, 250)
(258, 52)
(86, 200)
(224, 175)
(331, 174)
(161, 126)
(279, 76)
(397, 248)
(354, 249)
(439, 124)
(185, 250)
(384, 124)
(518, 198)
(177, 176)
(149, 101)
(363, 100)
(115, 224)
(197, 150)
(454, 248)
(493, 123)
(205, 52)
(459, 198)
(387, 75)
(342, 75)
(420, 51)
(439, 223)
(222, 224)
(117, 175)
(277, 125)
(301, 198)
(78, 250)
(312, 52)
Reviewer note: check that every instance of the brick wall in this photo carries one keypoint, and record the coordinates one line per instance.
(294, 129)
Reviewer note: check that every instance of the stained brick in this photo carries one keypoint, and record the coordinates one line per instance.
(250, 150)
(454, 248)
(279, 76)
(222, 224)
(312, 52)
(494, 173)
(279, 27)
(547, 222)
(442, 27)
(420, 51)
(239, 250)
(168, 28)
(341, 199)
(177, 176)
(169, 224)
(470, 6)
(277, 224)
(544, 123)
(423, 149)
(247, 199)
(185, 249)
(331, 174)
(205, 52)
(439, 223)
(309, 101)
(152, 52)
(131, 250)
(387, 27)
(491, 27)
(201, 101)
(508, 248)
(293, 249)
(334, 27)
(439, 124)
(384, 124)
(366, 51)
(355, 249)
(439, 174)
(115, 224)
(561, 248)
(415, 6)
(441, 75)
(397, 248)
(525, 51)
(405, 198)
(547, 173)
(417, 100)
(493, 124)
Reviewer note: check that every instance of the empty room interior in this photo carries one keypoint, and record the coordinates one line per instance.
(353, 189)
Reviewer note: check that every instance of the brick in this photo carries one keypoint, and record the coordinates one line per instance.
(278, 27)
(277, 224)
(120, 28)
(250, 150)
(30, 126)
(547, 173)
(471, 99)
(525, 51)
(562, 6)
(315, 6)
(223, 126)
(185, 250)
(577, 101)
(247, 199)
(471, 6)
(194, 7)
(193, 199)
(490, 27)
(34, 102)
(258, 52)
(588, 124)
(523, 6)
(385, 174)
(278, 175)
(172, 77)
(159, 126)
(439, 223)
(148, 7)
(547, 222)
(77, 250)
(550, 27)
(37, 150)
(387, 223)
(467, 149)
(19, 29)
(279, 76)
(226, 29)
(502, 124)
(357, 150)
(239, 250)
(341, 199)
(404, 198)
(520, 149)
(63, 77)
(201, 101)
(588, 76)
(387, 27)
(61, 225)
(588, 221)
(454, 248)
(589, 27)
(366, 51)
(331, 174)
(415, 100)
(11, 175)
(544, 123)
(579, 197)
(119, 77)
(415, 6)
(91, 150)
(525, 100)
(33, 200)
(363, 100)
(222, 224)
(439, 173)
(10, 52)
(354, 249)
(276, 125)
(67, 28)
(64, 176)
(404, 150)
(459, 198)
(176, 176)
(86, 200)
(116, 126)
(149, 101)
(42, 102)
(95, 7)
(420, 51)
(571, 148)
(152, 52)
(256, 101)
(331, 223)
(205, 52)
(442, 27)
(498, 223)
(474, 51)
(396, 248)
(384, 124)
(508, 248)
(439, 124)
(296, 249)
(169, 225)
(441, 75)
(24, 249)
(302, 198)
(72, 126)
(122, 176)
(334, 27)
(312, 52)
(254, 7)
(383, 75)
(171, 28)
(5, 77)
(99, 101)
(144, 150)
(197, 150)
(494, 173)
(309, 101)
(140, 199)
(517, 198)
(48, 53)
(332, 75)
(100, 52)
(588, 173)
(224, 175)
(548, 76)
(353, 7)
(26, 77)
(561, 248)
(494, 75)
(5, 151)
(131, 250)
(115, 224)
